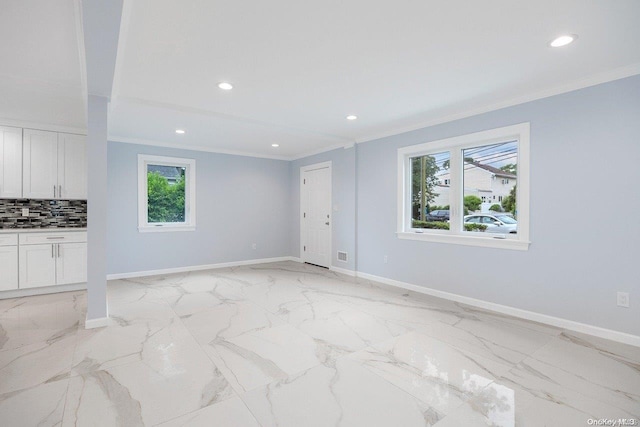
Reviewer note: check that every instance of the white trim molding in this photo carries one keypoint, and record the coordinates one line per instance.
(558, 322)
(189, 224)
(100, 322)
(344, 271)
(27, 292)
(146, 273)
(455, 147)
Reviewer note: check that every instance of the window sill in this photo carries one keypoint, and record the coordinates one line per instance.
(165, 228)
(488, 242)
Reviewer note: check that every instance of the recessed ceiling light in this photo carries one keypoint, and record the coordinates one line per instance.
(275, 145)
(352, 117)
(563, 40)
(225, 86)
(179, 131)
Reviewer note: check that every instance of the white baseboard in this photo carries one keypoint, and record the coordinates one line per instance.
(17, 293)
(197, 267)
(345, 271)
(512, 311)
(100, 322)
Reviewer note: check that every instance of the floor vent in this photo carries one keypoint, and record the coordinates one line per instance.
(342, 256)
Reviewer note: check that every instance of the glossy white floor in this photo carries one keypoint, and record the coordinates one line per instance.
(292, 345)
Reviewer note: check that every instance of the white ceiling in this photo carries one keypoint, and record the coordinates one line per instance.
(300, 67)
(41, 69)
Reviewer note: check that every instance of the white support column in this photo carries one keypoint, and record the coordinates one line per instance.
(97, 310)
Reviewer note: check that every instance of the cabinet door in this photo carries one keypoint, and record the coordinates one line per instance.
(72, 166)
(37, 266)
(71, 263)
(40, 164)
(10, 162)
(8, 267)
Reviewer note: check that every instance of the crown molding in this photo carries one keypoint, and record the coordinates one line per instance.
(596, 79)
(42, 126)
(141, 141)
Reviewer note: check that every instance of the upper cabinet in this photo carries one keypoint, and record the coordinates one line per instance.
(54, 165)
(72, 166)
(40, 164)
(10, 162)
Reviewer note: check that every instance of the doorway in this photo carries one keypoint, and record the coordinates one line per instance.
(315, 214)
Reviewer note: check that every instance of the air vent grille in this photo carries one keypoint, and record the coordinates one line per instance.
(342, 256)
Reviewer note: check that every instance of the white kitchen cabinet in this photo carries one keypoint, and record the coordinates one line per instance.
(9, 268)
(72, 166)
(54, 165)
(37, 265)
(10, 162)
(71, 263)
(48, 259)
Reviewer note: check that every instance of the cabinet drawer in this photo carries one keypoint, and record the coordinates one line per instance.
(8, 239)
(52, 237)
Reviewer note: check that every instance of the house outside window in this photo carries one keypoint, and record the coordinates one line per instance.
(166, 193)
(475, 166)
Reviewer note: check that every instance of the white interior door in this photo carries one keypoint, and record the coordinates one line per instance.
(316, 216)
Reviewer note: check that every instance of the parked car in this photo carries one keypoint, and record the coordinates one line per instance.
(438, 215)
(496, 223)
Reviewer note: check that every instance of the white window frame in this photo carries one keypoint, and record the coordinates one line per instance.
(189, 201)
(455, 147)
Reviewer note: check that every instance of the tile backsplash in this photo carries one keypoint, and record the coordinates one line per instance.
(43, 213)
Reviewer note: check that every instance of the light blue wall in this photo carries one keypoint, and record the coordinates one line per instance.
(240, 201)
(343, 201)
(585, 170)
(585, 232)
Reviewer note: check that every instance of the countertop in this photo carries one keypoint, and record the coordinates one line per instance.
(38, 230)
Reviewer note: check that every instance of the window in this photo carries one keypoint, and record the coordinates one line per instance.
(166, 193)
(476, 169)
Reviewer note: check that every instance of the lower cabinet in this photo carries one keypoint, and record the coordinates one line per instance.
(9, 268)
(71, 263)
(61, 262)
(37, 266)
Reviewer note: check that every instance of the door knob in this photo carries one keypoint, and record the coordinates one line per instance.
(326, 223)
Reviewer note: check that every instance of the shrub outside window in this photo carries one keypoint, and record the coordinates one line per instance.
(478, 169)
(166, 193)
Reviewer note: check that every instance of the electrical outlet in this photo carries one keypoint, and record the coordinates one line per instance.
(254, 246)
(25, 211)
(623, 299)
(385, 259)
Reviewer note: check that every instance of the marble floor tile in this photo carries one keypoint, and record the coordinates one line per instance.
(155, 313)
(39, 319)
(434, 372)
(345, 394)
(115, 345)
(144, 393)
(129, 290)
(42, 405)
(338, 324)
(230, 412)
(598, 374)
(227, 320)
(524, 398)
(494, 338)
(259, 357)
(34, 364)
(293, 344)
(184, 303)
